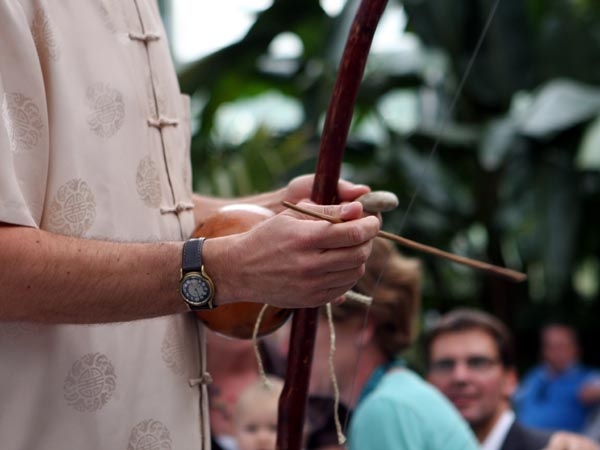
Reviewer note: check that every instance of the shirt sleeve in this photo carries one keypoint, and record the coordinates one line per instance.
(24, 135)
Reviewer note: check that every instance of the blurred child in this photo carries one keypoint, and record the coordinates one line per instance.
(255, 415)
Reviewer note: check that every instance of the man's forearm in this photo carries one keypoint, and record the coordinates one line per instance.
(285, 261)
(50, 278)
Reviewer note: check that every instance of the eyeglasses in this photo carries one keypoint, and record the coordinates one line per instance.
(478, 364)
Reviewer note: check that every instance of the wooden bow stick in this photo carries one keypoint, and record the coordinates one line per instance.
(509, 274)
(294, 397)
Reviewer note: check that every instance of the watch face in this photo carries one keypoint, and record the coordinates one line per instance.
(196, 289)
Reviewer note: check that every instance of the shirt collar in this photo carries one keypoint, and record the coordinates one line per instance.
(496, 437)
(377, 375)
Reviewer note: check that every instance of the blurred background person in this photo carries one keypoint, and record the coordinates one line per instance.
(321, 418)
(393, 407)
(255, 415)
(552, 395)
(233, 366)
(470, 358)
(590, 394)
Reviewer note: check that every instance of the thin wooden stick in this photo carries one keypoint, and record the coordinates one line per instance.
(509, 274)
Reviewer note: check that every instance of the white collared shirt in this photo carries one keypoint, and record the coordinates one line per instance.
(496, 437)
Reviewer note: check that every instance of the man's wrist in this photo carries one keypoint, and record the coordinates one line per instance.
(195, 285)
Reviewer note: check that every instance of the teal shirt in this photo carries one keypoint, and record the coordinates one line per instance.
(406, 413)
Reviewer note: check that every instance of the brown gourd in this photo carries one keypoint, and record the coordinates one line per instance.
(237, 320)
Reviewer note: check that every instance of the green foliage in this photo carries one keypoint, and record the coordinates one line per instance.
(506, 170)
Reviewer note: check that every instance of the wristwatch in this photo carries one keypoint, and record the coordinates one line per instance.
(195, 286)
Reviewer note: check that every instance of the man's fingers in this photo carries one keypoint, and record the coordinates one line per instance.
(570, 441)
(345, 258)
(324, 234)
(348, 191)
(345, 212)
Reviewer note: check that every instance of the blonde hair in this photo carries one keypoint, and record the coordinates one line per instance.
(271, 390)
(394, 282)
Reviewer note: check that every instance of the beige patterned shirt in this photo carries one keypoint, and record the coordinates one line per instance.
(94, 143)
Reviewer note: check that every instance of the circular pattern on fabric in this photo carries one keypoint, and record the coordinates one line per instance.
(173, 349)
(104, 7)
(43, 36)
(23, 122)
(148, 182)
(107, 110)
(72, 211)
(90, 383)
(150, 435)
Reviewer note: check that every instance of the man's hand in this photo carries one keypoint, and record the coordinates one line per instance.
(300, 188)
(293, 260)
(563, 440)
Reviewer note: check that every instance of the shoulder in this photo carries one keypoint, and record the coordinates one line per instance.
(587, 372)
(406, 380)
(532, 377)
(407, 389)
(535, 372)
(383, 424)
(524, 438)
(415, 410)
(399, 394)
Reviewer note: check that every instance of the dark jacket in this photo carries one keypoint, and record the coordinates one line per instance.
(523, 438)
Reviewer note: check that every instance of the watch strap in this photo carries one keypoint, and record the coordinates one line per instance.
(191, 259)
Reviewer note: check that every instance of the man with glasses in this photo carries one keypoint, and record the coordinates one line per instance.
(471, 360)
